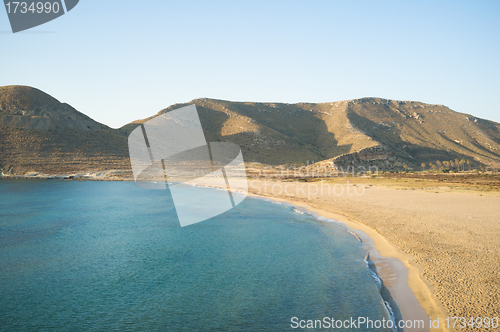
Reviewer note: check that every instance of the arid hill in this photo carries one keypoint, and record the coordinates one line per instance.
(40, 134)
(369, 131)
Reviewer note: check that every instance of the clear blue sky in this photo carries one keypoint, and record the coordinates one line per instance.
(118, 61)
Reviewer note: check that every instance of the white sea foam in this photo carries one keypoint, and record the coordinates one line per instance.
(391, 315)
(325, 219)
(373, 274)
(298, 211)
(378, 281)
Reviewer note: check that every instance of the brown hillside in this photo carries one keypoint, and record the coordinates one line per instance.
(422, 133)
(368, 131)
(40, 134)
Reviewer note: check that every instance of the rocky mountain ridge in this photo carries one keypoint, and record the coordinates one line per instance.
(40, 134)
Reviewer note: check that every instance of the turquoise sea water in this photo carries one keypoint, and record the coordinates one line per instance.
(109, 256)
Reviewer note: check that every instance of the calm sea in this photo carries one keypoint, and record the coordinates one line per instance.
(109, 256)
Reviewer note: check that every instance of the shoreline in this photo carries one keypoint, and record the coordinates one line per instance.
(402, 286)
(95, 175)
(390, 304)
(445, 240)
(408, 296)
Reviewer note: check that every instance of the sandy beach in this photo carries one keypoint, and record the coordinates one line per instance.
(448, 241)
(435, 248)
